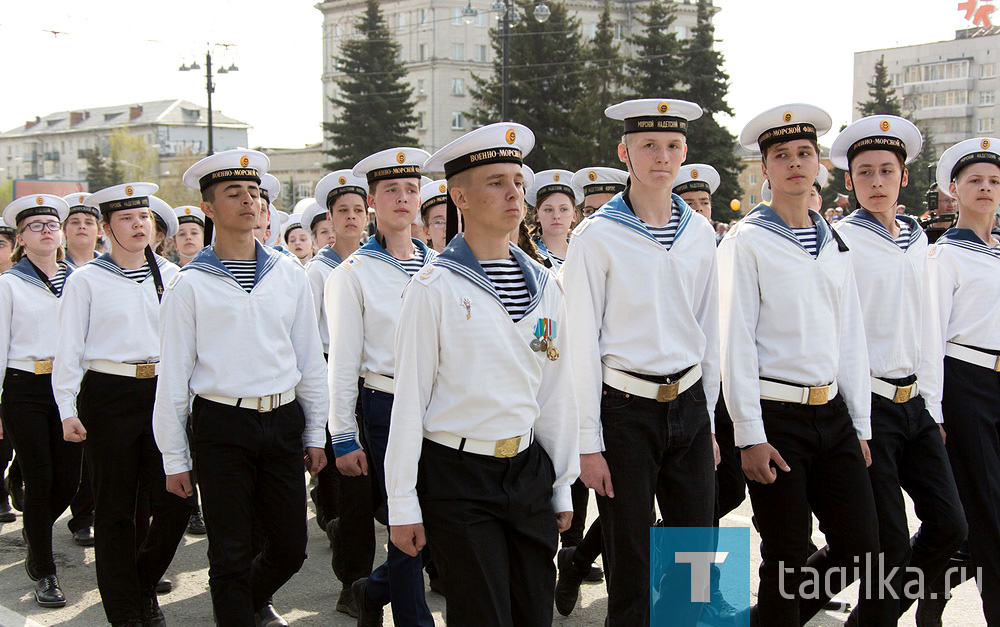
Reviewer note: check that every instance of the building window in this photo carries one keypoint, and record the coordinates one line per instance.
(937, 71)
(482, 18)
(984, 125)
(458, 87)
(401, 20)
(481, 53)
(753, 179)
(987, 97)
(421, 16)
(987, 70)
(457, 51)
(753, 200)
(896, 79)
(456, 16)
(944, 99)
(457, 121)
(682, 31)
(421, 87)
(423, 52)
(620, 31)
(421, 120)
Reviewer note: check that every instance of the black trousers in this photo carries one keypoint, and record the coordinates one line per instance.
(492, 532)
(126, 468)
(581, 499)
(971, 407)
(653, 450)
(730, 483)
(6, 454)
(50, 464)
(827, 477)
(244, 458)
(82, 505)
(908, 454)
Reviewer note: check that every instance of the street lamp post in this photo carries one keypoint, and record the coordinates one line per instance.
(541, 13)
(210, 89)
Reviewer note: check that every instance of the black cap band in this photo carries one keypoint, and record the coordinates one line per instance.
(693, 186)
(337, 192)
(395, 172)
(433, 200)
(556, 188)
(482, 157)
(974, 157)
(35, 211)
(802, 130)
(317, 219)
(6, 230)
(877, 142)
(139, 202)
(292, 228)
(656, 123)
(160, 222)
(230, 174)
(603, 188)
(90, 211)
(191, 220)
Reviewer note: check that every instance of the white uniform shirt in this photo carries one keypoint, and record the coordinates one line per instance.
(788, 316)
(638, 307)
(104, 315)
(464, 367)
(891, 287)
(363, 297)
(29, 316)
(962, 305)
(318, 271)
(219, 340)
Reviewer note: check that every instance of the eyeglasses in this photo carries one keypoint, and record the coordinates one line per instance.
(439, 223)
(38, 227)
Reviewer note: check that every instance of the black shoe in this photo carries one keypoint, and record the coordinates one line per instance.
(437, 585)
(596, 574)
(929, 611)
(16, 491)
(150, 613)
(196, 524)
(164, 586)
(32, 575)
(7, 515)
(369, 614)
(346, 603)
(48, 594)
(84, 537)
(267, 617)
(132, 622)
(718, 612)
(568, 583)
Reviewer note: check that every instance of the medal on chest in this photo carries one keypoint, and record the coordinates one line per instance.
(545, 338)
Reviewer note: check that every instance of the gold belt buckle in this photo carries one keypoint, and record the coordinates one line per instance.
(145, 371)
(668, 392)
(996, 365)
(820, 395)
(507, 447)
(43, 367)
(903, 394)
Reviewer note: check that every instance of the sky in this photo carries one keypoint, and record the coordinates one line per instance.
(111, 52)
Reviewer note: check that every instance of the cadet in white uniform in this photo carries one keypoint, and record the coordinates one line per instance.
(29, 319)
(104, 379)
(959, 377)
(554, 200)
(889, 253)
(599, 185)
(81, 229)
(363, 300)
(642, 297)
(482, 451)
(190, 236)
(695, 183)
(316, 218)
(250, 424)
(795, 372)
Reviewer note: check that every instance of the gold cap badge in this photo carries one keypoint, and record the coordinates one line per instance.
(129, 191)
(401, 157)
(884, 125)
(664, 107)
(787, 117)
(511, 136)
(244, 161)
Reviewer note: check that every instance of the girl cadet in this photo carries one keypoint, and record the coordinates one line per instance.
(298, 239)
(432, 213)
(190, 236)
(165, 221)
(960, 375)
(795, 374)
(363, 303)
(908, 453)
(555, 201)
(81, 230)
(29, 318)
(316, 219)
(104, 379)
(482, 451)
(642, 298)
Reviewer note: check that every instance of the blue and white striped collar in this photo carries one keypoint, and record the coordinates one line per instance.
(328, 256)
(281, 249)
(23, 270)
(619, 209)
(863, 218)
(207, 261)
(967, 239)
(458, 258)
(374, 249)
(765, 216)
(105, 261)
(69, 262)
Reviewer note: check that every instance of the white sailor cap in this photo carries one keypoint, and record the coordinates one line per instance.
(294, 222)
(785, 123)
(239, 164)
(336, 184)
(274, 218)
(164, 215)
(433, 193)
(502, 142)
(697, 177)
(283, 217)
(313, 214)
(876, 132)
(77, 202)
(394, 163)
(820, 181)
(529, 176)
(965, 153)
(190, 213)
(553, 182)
(654, 114)
(270, 188)
(120, 197)
(35, 205)
(600, 180)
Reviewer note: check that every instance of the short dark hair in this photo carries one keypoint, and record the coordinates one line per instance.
(208, 194)
(763, 154)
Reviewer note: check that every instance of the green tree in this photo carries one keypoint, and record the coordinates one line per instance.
(6, 192)
(116, 173)
(97, 171)
(545, 84)
(133, 155)
(375, 107)
(604, 67)
(707, 84)
(881, 94)
(655, 70)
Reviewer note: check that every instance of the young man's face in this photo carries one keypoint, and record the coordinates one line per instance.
(323, 233)
(130, 229)
(555, 214)
(700, 201)
(350, 217)
(653, 159)
(235, 206)
(190, 239)
(81, 228)
(593, 202)
(396, 202)
(791, 167)
(875, 178)
(491, 197)
(977, 188)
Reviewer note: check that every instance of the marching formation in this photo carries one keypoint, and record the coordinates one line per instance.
(467, 379)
